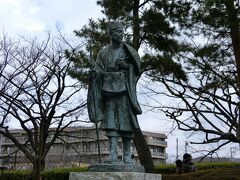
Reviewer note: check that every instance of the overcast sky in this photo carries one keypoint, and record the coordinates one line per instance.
(35, 17)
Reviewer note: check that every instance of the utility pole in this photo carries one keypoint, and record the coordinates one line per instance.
(177, 148)
(186, 144)
(1, 142)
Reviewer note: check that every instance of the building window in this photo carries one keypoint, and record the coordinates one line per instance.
(85, 147)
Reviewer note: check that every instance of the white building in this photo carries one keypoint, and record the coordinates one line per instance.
(76, 146)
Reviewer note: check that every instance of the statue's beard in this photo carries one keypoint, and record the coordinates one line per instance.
(117, 38)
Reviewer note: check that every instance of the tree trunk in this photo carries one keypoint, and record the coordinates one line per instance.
(140, 143)
(143, 151)
(235, 36)
(38, 167)
(136, 25)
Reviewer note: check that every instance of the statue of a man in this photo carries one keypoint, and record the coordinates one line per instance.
(112, 98)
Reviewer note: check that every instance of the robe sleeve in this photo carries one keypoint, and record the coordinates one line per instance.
(131, 88)
(94, 97)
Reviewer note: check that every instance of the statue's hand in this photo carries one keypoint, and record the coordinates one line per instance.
(121, 64)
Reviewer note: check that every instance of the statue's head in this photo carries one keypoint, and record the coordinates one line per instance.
(115, 30)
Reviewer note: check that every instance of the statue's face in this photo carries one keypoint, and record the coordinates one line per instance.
(117, 34)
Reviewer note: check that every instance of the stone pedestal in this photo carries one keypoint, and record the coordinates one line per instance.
(113, 176)
(119, 171)
(119, 167)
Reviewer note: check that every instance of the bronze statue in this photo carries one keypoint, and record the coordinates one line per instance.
(112, 99)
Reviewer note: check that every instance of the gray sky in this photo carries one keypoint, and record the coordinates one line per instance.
(35, 17)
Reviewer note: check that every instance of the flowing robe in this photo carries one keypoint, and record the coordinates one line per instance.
(117, 113)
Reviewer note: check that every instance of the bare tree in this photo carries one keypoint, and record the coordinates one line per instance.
(207, 100)
(207, 104)
(36, 93)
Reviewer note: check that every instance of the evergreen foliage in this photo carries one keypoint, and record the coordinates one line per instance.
(193, 49)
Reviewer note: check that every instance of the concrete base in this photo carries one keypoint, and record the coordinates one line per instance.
(119, 167)
(113, 176)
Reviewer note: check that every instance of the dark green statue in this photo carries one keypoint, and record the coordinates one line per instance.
(112, 96)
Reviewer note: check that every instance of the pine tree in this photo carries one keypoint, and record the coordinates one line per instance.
(146, 26)
(183, 41)
(208, 49)
(190, 41)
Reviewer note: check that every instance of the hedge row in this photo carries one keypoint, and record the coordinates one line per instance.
(16, 175)
(63, 173)
(59, 174)
(171, 168)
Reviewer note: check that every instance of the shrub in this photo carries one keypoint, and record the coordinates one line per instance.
(61, 173)
(210, 165)
(15, 174)
(53, 174)
(165, 168)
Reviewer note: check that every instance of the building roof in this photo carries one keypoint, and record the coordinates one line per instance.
(74, 128)
(154, 134)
